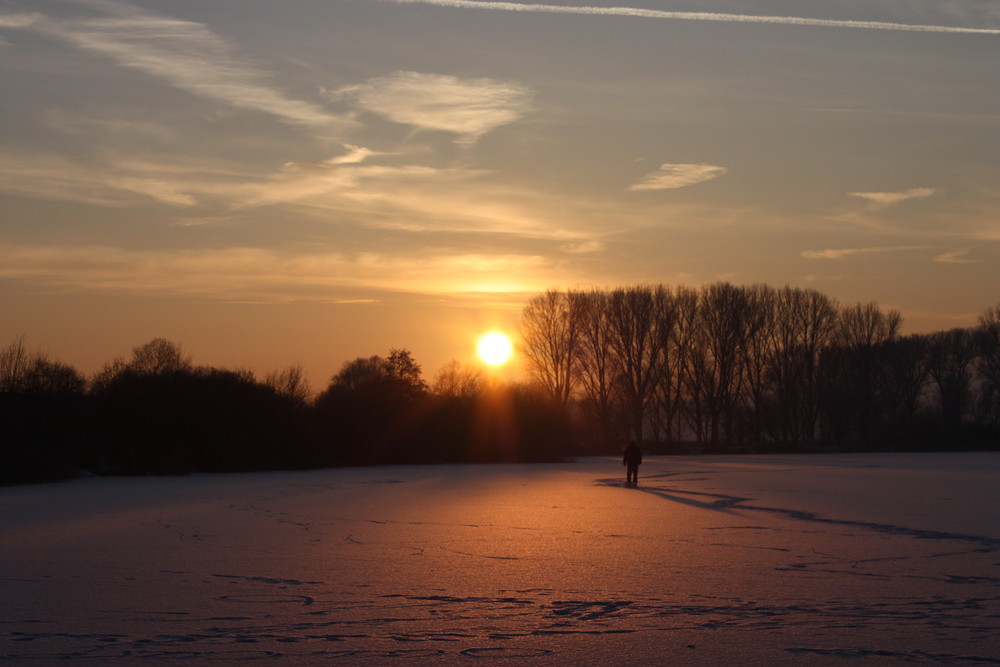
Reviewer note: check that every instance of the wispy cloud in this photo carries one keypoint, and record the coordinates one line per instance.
(404, 197)
(956, 257)
(466, 107)
(322, 183)
(202, 221)
(831, 253)
(120, 180)
(159, 190)
(677, 176)
(185, 54)
(22, 20)
(889, 198)
(354, 155)
(582, 247)
(259, 274)
(636, 12)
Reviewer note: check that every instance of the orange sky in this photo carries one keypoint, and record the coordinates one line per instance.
(312, 182)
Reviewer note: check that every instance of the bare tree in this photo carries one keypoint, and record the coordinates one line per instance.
(951, 357)
(14, 362)
(691, 343)
(636, 316)
(759, 350)
(290, 382)
(988, 344)
(728, 322)
(550, 331)
(26, 372)
(457, 380)
(594, 369)
(854, 369)
(103, 378)
(865, 326)
(904, 378)
(158, 356)
(359, 374)
(806, 321)
(749, 363)
(668, 390)
(52, 377)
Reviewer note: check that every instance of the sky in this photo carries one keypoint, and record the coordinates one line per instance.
(307, 182)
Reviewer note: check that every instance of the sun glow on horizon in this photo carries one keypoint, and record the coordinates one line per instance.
(494, 349)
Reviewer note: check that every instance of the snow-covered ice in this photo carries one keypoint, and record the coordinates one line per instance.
(763, 560)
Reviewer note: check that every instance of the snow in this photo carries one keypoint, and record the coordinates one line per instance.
(757, 560)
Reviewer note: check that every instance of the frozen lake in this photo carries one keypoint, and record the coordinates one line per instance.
(762, 560)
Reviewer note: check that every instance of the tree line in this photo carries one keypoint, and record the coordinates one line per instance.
(156, 412)
(758, 368)
(718, 368)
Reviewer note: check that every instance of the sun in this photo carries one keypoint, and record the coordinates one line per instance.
(494, 348)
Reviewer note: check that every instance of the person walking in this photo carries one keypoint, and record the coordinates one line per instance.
(631, 461)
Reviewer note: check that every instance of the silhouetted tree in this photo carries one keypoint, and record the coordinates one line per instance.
(195, 419)
(370, 411)
(854, 367)
(723, 365)
(158, 356)
(405, 372)
(457, 380)
(14, 362)
(988, 343)
(53, 377)
(667, 398)
(550, 329)
(155, 357)
(759, 351)
(728, 322)
(595, 369)
(23, 371)
(905, 377)
(951, 358)
(805, 322)
(290, 382)
(542, 426)
(639, 319)
(42, 428)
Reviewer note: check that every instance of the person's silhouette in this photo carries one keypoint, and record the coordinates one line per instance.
(631, 461)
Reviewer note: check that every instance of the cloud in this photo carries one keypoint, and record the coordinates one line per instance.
(582, 247)
(882, 199)
(421, 199)
(956, 257)
(695, 16)
(202, 221)
(677, 176)
(332, 183)
(161, 191)
(267, 275)
(185, 54)
(841, 253)
(50, 177)
(354, 155)
(117, 181)
(20, 20)
(467, 107)
(405, 197)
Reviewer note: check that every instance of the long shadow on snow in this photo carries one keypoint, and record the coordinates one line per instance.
(723, 503)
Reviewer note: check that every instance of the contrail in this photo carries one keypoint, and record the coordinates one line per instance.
(695, 16)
